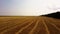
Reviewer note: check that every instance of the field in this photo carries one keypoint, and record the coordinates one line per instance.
(29, 25)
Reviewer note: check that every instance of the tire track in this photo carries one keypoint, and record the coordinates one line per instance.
(31, 32)
(15, 27)
(31, 25)
(53, 25)
(9, 25)
(24, 28)
(47, 30)
(28, 29)
(9, 21)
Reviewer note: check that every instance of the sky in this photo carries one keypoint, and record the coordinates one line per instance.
(28, 7)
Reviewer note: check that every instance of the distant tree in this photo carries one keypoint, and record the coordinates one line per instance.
(53, 15)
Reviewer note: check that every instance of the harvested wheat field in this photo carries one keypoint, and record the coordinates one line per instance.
(29, 25)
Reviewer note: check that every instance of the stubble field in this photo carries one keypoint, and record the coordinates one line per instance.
(29, 25)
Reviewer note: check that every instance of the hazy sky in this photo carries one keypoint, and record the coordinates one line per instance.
(28, 7)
